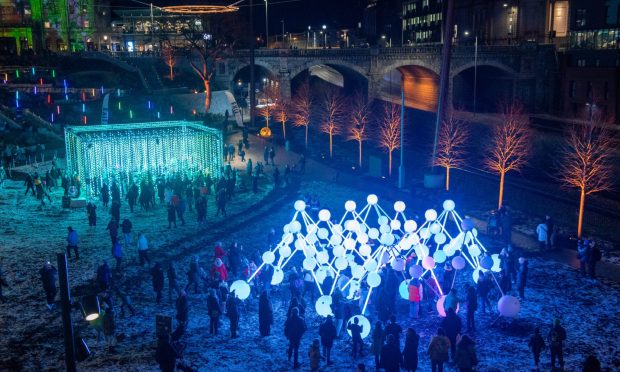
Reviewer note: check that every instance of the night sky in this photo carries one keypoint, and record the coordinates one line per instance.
(297, 14)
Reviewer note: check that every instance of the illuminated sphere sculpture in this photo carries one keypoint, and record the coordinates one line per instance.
(363, 322)
(241, 288)
(508, 306)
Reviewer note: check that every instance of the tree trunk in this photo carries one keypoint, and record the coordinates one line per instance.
(360, 154)
(501, 189)
(207, 86)
(447, 178)
(171, 75)
(306, 137)
(284, 129)
(582, 201)
(390, 163)
(330, 146)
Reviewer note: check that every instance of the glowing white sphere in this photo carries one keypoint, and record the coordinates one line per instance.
(241, 288)
(448, 205)
(350, 257)
(373, 233)
(365, 250)
(357, 271)
(285, 251)
(508, 306)
(395, 224)
(286, 229)
(474, 250)
(278, 276)
(410, 226)
(475, 275)
(322, 257)
(300, 205)
(312, 229)
(458, 263)
(403, 289)
(486, 263)
(496, 263)
(385, 258)
(370, 265)
(300, 244)
(440, 308)
(351, 225)
(289, 238)
(269, 257)
(440, 238)
(435, 228)
(341, 263)
(309, 264)
(398, 264)
(349, 243)
(323, 306)
(322, 233)
(309, 251)
(363, 322)
(373, 279)
(337, 229)
(349, 206)
(428, 263)
(372, 199)
(335, 240)
(384, 229)
(439, 256)
(338, 251)
(399, 206)
(449, 250)
(320, 274)
(387, 239)
(467, 224)
(405, 244)
(362, 238)
(430, 215)
(421, 250)
(295, 227)
(416, 271)
(383, 220)
(474, 232)
(425, 233)
(324, 215)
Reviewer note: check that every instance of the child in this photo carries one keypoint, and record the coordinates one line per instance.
(314, 355)
(536, 344)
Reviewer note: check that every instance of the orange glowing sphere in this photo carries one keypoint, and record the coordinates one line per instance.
(265, 132)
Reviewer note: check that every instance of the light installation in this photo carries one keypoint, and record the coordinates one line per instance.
(358, 247)
(125, 153)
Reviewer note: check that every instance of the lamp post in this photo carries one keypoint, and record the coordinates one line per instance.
(308, 38)
(65, 303)
(401, 168)
(252, 95)
(324, 36)
(475, 72)
(266, 24)
(283, 34)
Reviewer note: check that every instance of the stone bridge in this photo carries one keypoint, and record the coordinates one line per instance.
(522, 72)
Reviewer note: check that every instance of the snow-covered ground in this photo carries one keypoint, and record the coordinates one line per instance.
(31, 338)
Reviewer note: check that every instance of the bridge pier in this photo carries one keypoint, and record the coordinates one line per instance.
(285, 85)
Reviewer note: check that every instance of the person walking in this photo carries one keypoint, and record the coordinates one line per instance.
(556, 338)
(583, 255)
(266, 155)
(29, 183)
(378, 339)
(157, 272)
(182, 309)
(482, 290)
(594, 257)
(105, 195)
(91, 212)
(410, 352)
(356, 337)
(327, 331)
(542, 234)
(72, 243)
(220, 200)
(438, 350)
(113, 230)
(125, 301)
(213, 306)
(314, 355)
(294, 329)
(522, 277)
(451, 324)
(338, 310)
(115, 210)
(265, 314)
(172, 216)
(465, 357)
(415, 296)
(232, 310)
(132, 196)
(104, 276)
(551, 232)
(172, 281)
(109, 323)
(143, 250)
(394, 329)
(126, 227)
(48, 279)
(391, 358)
(472, 306)
(536, 345)
(117, 253)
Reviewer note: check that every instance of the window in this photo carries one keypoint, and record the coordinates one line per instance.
(571, 89)
(581, 62)
(580, 18)
(560, 18)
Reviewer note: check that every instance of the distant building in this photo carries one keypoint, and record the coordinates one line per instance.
(383, 22)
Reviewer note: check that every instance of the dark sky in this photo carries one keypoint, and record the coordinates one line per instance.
(297, 14)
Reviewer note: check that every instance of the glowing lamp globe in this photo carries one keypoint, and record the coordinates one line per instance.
(399, 206)
(387, 239)
(439, 256)
(372, 199)
(278, 276)
(309, 264)
(241, 288)
(496, 263)
(341, 263)
(365, 250)
(458, 263)
(338, 251)
(373, 233)
(449, 250)
(337, 229)
(285, 251)
(268, 257)
(342, 281)
(383, 220)
(363, 322)
(425, 233)
(440, 308)
(410, 226)
(440, 238)
(322, 257)
(449, 205)
(349, 244)
(358, 271)
(385, 258)
(321, 274)
(474, 250)
(430, 215)
(395, 224)
(362, 238)
(398, 264)
(486, 263)
(349, 206)
(324, 215)
(323, 306)
(370, 265)
(435, 228)
(335, 240)
(373, 279)
(351, 225)
(403, 289)
(467, 224)
(428, 263)
(416, 271)
(295, 227)
(476, 275)
(508, 306)
(322, 233)
(300, 205)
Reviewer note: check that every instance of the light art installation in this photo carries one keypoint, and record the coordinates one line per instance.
(123, 153)
(361, 244)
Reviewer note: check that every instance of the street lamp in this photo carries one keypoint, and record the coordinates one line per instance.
(282, 33)
(266, 24)
(308, 39)
(324, 36)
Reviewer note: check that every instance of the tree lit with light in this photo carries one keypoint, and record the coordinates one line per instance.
(331, 115)
(389, 131)
(302, 108)
(360, 117)
(453, 136)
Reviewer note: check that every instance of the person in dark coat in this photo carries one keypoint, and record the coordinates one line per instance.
(165, 354)
(104, 276)
(294, 329)
(465, 357)
(265, 314)
(522, 277)
(536, 345)
(394, 329)
(132, 196)
(356, 336)
(48, 279)
(91, 212)
(410, 352)
(556, 338)
(438, 350)
(213, 306)
(172, 216)
(172, 281)
(182, 308)
(113, 230)
(157, 272)
(232, 310)
(327, 331)
(109, 323)
(115, 210)
(390, 355)
(105, 195)
(451, 324)
(595, 256)
(472, 306)
(591, 364)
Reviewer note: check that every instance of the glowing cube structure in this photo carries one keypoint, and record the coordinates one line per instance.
(127, 152)
(362, 243)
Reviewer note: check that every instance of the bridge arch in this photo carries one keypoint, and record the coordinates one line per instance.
(234, 71)
(493, 83)
(421, 84)
(354, 78)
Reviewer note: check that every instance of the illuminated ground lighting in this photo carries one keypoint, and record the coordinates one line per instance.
(200, 9)
(355, 249)
(123, 153)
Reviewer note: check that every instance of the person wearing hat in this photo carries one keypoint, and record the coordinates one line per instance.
(220, 268)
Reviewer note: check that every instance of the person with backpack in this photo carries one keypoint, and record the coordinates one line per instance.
(451, 324)
(556, 338)
(465, 357)
(595, 257)
(536, 345)
(327, 331)
(294, 329)
(438, 350)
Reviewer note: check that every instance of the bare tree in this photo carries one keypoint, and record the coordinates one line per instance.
(281, 113)
(170, 58)
(360, 117)
(510, 144)
(389, 131)
(269, 97)
(453, 136)
(331, 115)
(302, 108)
(586, 161)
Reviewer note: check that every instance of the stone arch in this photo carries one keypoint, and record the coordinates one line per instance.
(335, 62)
(494, 83)
(404, 63)
(498, 65)
(240, 66)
